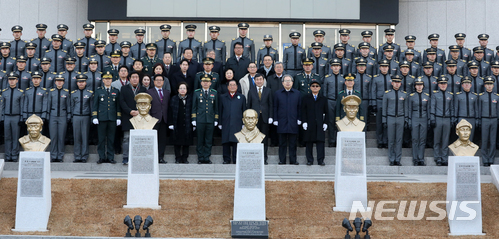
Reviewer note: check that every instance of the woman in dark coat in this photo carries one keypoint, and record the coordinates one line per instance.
(230, 109)
(229, 75)
(179, 121)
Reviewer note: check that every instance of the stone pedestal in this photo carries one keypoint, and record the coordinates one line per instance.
(249, 193)
(34, 200)
(350, 183)
(2, 164)
(464, 207)
(143, 170)
(494, 173)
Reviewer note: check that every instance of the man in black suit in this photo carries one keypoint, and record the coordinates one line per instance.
(182, 75)
(129, 108)
(193, 64)
(159, 110)
(168, 67)
(315, 117)
(260, 99)
(267, 69)
(238, 62)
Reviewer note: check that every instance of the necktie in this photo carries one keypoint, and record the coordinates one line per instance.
(253, 80)
(349, 92)
(260, 93)
(107, 90)
(161, 94)
(205, 92)
(315, 97)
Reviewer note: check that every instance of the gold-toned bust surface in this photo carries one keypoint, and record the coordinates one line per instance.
(350, 122)
(250, 133)
(143, 120)
(463, 146)
(34, 141)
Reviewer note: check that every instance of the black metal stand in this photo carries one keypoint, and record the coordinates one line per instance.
(128, 234)
(147, 233)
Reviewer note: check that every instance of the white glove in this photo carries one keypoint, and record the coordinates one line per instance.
(275, 123)
(95, 121)
(171, 127)
(220, 126)
(324, 126)
(194, 123)
(299, 122)
(193, 128)
(216, 123)
(118, 122)
(271, 120)
(304, 125)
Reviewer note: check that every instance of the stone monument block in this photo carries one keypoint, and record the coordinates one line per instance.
(2, 164)
(464, 207)
(350, 183)
(494, 171)
(34, 201)
(143, 170)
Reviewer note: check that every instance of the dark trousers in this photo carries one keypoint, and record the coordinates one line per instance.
(58, 127)
(181, 153)
(94, 137)
(319, 145)
(106, 138)
(69, 134)
(263, 126)
(161, 128)
(489, 128)
(11, 130)
(331, 128)
(118, 138)
(228, 155)
(204, 134)
(287, 142)
(274, 137)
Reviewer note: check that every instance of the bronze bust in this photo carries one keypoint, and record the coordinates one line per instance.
(143, 120)
(34, 141)
(250, 133)
(350, 122)
(463, 146)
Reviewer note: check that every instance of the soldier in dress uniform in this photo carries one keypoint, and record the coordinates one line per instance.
(319, 38)
(89, 41)
(7, 62)
(346, 64)
(389, 36)
(430, 81)
(17, 46)
(407, 79)
(388, 50)
(483, 39)
(488, 108)
(138, 50)
(367, 37)
(215, 44)
(190, 43)
(94, 77)
(66, 44)
(418, 114)
(464, 52)
(431, 56)
(466, 105)
(333, 83)
(82, 61)
(438, 51)
(349, 48)
(248, 43)
(115, 64)
(81, 109)
(59, 111)
(454, 84)
(494, 67)
(293, 55)
(42, 43)
(32, 63)
(476, 79)
(410, 42)
(394, 113)
(102, 59)
(363, 85)
(208, 69)
(35, 98)
(12, 108)
(150, 59)
(442, 118)
(380, 84)
(165, 44)
(70, 74)
(106, 114)
(126, 59)
(57, 54)
(113, 44)
(23, 74)
(483, 65)
(268, 50)
(414, 67)
(320, 62)
(205, 118)
(364, 53)
(303, 79)
(454, 53)
(47, 76)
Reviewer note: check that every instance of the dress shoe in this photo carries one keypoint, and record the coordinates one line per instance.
(309, 163)
(209, 162)
(186, 162)
(226, 162)
(422, 163)
(322, 164)
(331, 145)
(446, 164)
(83, 160)
(380, 146)
(77, 161)
(398, 164)
(125, 162)
(265, 163)
(100, 161)
(296, 163)
(415, 163)
(392, 163)
(162, 161)
(281, 163)
(177, 162)
(199, 162)
(439, 163)
(112, 161)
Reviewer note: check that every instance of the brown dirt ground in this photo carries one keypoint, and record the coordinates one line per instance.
(92, 207)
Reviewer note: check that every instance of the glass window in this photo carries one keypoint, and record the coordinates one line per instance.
(154, 33)
(356, 37)
(330, 38)
(256, 32)
(100, 31)
(381, 34)
(127, 31)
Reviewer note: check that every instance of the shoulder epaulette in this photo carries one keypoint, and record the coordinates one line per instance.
(402, 51)
(458, 93)
(397, 61)
(327, 76)
(341, 92)
(21, 90)
(158, 40)
(62, 72)
(66, 90)
(85, 72)
(438, 63)
(198, 90)
(496, 94)
(375, 75)
(261, 48)
(412, 94)
(462, 60)
(474, 93)
(251, 39)
(69, 39)
(287, 47)
(487, 62)
(481, 93)
(435, 91)
(442, 49)
(92, 56)
(417, 63)
(404, 92)
(44, 88)
(324, 58)
(450, 92)
(5, 89)
(418, 51)
(50, 39)
(213, 90)
(90, 91)
(233, 39)
(64, 51)
(352, 45)
(387, 91)
(52, 89)
(413, 77)
(369, 75)
(220, 40)
(356, 58)
(301, 73)
(28, 88)
(206, 42)
(347, 59)
(426, 94)
(380, 44)
(397, 44)
(73, 91)
(79, 39)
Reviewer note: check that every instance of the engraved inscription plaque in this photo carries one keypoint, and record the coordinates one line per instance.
(32, 177)
(250, 171)
(352, 156)
(253, 229)
(142, 154)
(466, 182)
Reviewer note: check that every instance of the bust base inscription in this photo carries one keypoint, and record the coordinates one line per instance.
(252, 229)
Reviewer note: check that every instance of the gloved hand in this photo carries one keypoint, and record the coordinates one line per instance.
(385, 126)
(275, 123)
(193, 123)
(375, 108)
(171, 127)
(304, 125)
(216, 123)
(220, 127)
(271, 120)
(433, 123)
(298, 122)
(95, 121)
(324, 126)
(193, 128)
(118, 122)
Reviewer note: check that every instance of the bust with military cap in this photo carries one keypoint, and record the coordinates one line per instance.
(143, 120)
(34, 141)
(463, 146)
(350, 122)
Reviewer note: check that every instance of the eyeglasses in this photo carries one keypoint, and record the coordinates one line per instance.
(315, 86)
